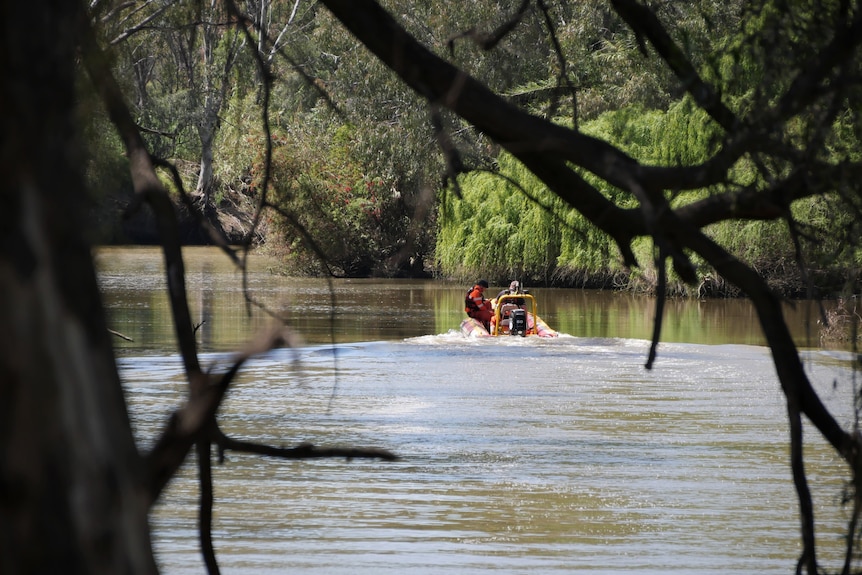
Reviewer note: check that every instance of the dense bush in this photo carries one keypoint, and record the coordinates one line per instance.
(356, 217)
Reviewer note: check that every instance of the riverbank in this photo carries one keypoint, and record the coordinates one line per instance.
(232, 217)
(114, 221)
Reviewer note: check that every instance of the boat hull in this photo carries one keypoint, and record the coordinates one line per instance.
(472, 327)
(543, 329)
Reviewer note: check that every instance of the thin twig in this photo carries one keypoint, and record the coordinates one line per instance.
(119, 335)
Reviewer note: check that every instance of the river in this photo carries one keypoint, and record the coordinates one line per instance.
(518, 455)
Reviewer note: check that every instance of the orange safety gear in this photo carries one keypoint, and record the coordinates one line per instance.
(475, 300)
(477, 306)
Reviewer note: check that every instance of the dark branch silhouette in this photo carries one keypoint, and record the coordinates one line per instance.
(194, 423)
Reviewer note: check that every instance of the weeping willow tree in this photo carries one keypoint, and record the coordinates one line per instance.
(488, 232)
(494, 231)
(507, 223)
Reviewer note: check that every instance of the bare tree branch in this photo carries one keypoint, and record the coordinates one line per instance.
(563, 76)
(148, 189)
(488, 41)
(120, 335)
(188, 424)
(301, 451)
(142, 25)
(205, 506)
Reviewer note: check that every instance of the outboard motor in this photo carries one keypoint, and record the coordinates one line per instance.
(518, 326)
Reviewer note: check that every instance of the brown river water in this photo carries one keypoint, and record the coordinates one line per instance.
(518, 455)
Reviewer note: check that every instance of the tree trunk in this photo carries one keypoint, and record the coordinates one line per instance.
(206, 132)
(212, 95)
(71, 498)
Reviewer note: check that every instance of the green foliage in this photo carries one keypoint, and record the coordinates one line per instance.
(484, 233)
(498, 231)
(682, 135)
(355, 216)
(327, 161)
(240, 141)
(502, 230)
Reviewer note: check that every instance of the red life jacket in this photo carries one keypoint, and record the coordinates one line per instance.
(469, 304)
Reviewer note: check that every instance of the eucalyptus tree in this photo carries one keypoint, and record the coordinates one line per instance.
(181, 61)
(219, 48)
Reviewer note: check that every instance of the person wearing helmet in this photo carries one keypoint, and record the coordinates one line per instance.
(514, 287)
(510, 304)
(477, 306)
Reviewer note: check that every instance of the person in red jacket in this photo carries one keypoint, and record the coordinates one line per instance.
(477, 306)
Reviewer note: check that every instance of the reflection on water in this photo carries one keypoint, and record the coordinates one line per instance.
(518, 455)
(373, 310)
